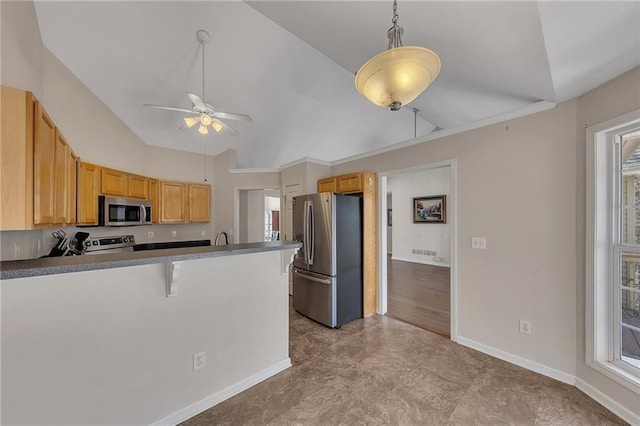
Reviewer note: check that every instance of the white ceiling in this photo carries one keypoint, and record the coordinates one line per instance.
(291, 65)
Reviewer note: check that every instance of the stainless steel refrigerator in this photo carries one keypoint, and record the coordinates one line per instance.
(327, 270)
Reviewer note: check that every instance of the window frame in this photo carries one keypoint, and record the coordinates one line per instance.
(604, 248)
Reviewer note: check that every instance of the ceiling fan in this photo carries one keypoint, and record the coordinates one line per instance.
(203, 113)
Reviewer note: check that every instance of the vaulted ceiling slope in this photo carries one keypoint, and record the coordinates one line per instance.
(291, 65)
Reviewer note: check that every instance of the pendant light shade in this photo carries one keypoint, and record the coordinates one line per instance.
(398, 75)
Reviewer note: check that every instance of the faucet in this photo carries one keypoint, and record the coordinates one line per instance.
(226, 238)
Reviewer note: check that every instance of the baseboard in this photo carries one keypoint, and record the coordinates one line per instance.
(518, 360)
(226, 393)
(608, 403)
(423, 262)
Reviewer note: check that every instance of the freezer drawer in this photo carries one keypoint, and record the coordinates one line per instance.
(314, 296)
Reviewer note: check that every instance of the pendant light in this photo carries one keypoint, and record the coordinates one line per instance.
(398, 75)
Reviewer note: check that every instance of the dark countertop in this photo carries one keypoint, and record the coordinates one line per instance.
(62, 265)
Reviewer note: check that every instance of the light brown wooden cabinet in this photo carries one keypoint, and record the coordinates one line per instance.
(88, 191)
(154, 197)
(64, 190)
(44, 145)
(327, 185)
(199, 202)
(35, 166)
(174, 202)
(16, 159)
(114, 182)
(137, 186)
(350, 183)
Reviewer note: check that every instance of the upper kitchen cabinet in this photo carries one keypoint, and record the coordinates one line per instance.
(199, 202)
(35, 166)
(88, 191)
(174, 202)
(64, 205)
(43, 166)
(349, 183)
(154, 196)
(327, 185)
(114, 182)
(137, 186)
(16, 159)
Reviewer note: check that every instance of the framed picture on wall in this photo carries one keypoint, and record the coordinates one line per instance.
(430, 209)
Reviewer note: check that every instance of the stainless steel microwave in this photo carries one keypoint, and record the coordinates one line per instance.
(116, 211)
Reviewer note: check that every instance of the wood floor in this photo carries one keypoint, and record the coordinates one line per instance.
(419, 295)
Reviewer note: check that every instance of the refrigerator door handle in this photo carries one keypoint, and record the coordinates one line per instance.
(312, 278)
(312, 234)
(305, 233)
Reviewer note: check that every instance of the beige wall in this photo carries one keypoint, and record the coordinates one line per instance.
(306, 174)
(515, 183)
(608, 101)
(21, 47)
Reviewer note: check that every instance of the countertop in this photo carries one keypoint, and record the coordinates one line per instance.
(62, 265)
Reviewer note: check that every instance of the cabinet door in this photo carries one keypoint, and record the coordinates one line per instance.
(137, 186)
(43, 167)
(173, 202)
(351, 182)
(62, 177)
(114, 182)
(327, 185)
(88, 190)
(199, 203)
(154, 197)
(72, 169)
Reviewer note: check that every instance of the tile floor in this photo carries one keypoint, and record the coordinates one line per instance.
(380, 371)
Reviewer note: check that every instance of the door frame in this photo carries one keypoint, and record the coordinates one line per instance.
(452, 206)
(236, 205)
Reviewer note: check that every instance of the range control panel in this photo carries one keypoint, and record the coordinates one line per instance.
(104, 243)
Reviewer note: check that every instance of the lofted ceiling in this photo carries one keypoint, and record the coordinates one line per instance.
(291, 65)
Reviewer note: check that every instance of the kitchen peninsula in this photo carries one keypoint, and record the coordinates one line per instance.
(112, 339)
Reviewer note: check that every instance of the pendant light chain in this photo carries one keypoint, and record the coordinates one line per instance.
(415, 122)
(396, 31)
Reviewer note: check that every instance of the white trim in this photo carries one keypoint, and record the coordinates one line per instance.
(226, 393)
(422, 262)
(599, 324)
(452, 205)
(530, 109)
(608, 403)
(518, 360)
(234, 171)
(236, 206)
(306, 160)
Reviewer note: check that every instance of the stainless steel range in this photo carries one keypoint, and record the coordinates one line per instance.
(105, 245)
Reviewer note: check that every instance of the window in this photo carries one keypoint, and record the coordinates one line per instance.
(613, 249)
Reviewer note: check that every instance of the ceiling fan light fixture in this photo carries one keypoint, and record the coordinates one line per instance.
(216, 126)
(190, 121)
(205, 119)
(398, 75)
(203, 130)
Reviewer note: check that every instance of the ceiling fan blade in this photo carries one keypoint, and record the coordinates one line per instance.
(230, 130)
(168, 108)
(196, 100)
(233, 116)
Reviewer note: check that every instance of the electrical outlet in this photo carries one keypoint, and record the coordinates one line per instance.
(203, 233)
(150, 235)
(525, 326)
(479, 243)
(16, 250)
(174, 234)
(199, 360)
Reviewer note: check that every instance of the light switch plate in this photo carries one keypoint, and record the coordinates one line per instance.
(479, 243)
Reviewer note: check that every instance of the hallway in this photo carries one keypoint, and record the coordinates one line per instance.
(420, 295)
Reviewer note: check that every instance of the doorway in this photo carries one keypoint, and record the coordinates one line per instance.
(417, 256)
(256, 215)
